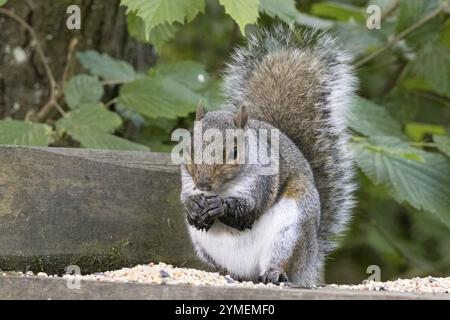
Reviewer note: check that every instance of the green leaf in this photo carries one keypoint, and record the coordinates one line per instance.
(417, 131)
(136, 27)
(156, 12)
(286, 11)
(13, 132)
(106, 67)
(99, 140)
(403, 105)
(443, 143)
(3, 2)
(83, 89)
(411, 11)
(283, 9)
(357, 38)
(432, 64)
(162, 33)
(338, 11)
(372, 120)
(424, 185)
(158, 98)
(385, 5)
(186, 73)
(170, 91)
(395, 147)
(243, 12)
(91, 125)
(157, 36)
(313, 22)
(92, 117)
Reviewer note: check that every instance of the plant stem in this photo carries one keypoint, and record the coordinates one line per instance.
(70, 51)
(433, 97)
(423, 144)
(51, 79)
(390, 10)
(111, 102)
(418, 144)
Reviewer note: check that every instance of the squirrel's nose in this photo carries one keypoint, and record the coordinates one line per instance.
(204, 185)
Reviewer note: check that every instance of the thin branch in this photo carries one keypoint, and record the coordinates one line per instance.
(73, 44)
(396, 79)
(111, 102)
(51, 79)
(60, 109)
(433, 97)
(390, 10)
(423, 144)
(400, 36)
(418, 144)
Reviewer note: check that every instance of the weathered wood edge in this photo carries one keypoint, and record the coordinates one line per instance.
(131, 159)
(24, 288)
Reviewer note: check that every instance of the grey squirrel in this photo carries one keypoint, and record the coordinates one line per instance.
(277, 228)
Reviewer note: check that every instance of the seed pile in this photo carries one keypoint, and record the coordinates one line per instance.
(162, 273)
(418, 285)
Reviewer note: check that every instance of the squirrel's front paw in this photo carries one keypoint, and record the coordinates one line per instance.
(201, 210)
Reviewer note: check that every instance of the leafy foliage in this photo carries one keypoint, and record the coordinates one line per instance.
(105, 67)
(156, 12)
(423, 184)
(170, 91)
(287, 12)
(284, 9)
(338, 11)
(371, 120)
(243, 12)
(157, 36)
(25, 133)
(91, 125)
(443, 143)
(83, 89)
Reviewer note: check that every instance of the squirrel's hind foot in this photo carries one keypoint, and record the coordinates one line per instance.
(274, 276)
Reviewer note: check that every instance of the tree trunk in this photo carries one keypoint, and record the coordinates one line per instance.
(24, 85)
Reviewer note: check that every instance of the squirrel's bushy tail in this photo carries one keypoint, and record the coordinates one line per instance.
(301, 83)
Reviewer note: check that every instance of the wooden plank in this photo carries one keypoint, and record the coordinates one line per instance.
(56, 288)
(97, 209)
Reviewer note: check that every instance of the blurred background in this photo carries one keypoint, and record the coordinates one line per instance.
(136, 70)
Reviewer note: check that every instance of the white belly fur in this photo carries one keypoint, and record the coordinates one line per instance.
(246, 253)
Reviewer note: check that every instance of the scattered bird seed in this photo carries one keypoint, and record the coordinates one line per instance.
(162, 273)
(428, 284)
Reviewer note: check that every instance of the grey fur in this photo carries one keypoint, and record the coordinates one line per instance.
(299, 83)
(318, 126)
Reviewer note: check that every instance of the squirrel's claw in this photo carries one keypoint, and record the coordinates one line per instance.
(273, 275)
(203, 209)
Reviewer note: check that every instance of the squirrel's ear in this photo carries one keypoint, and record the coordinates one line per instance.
(240, 120)
(200, 113)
